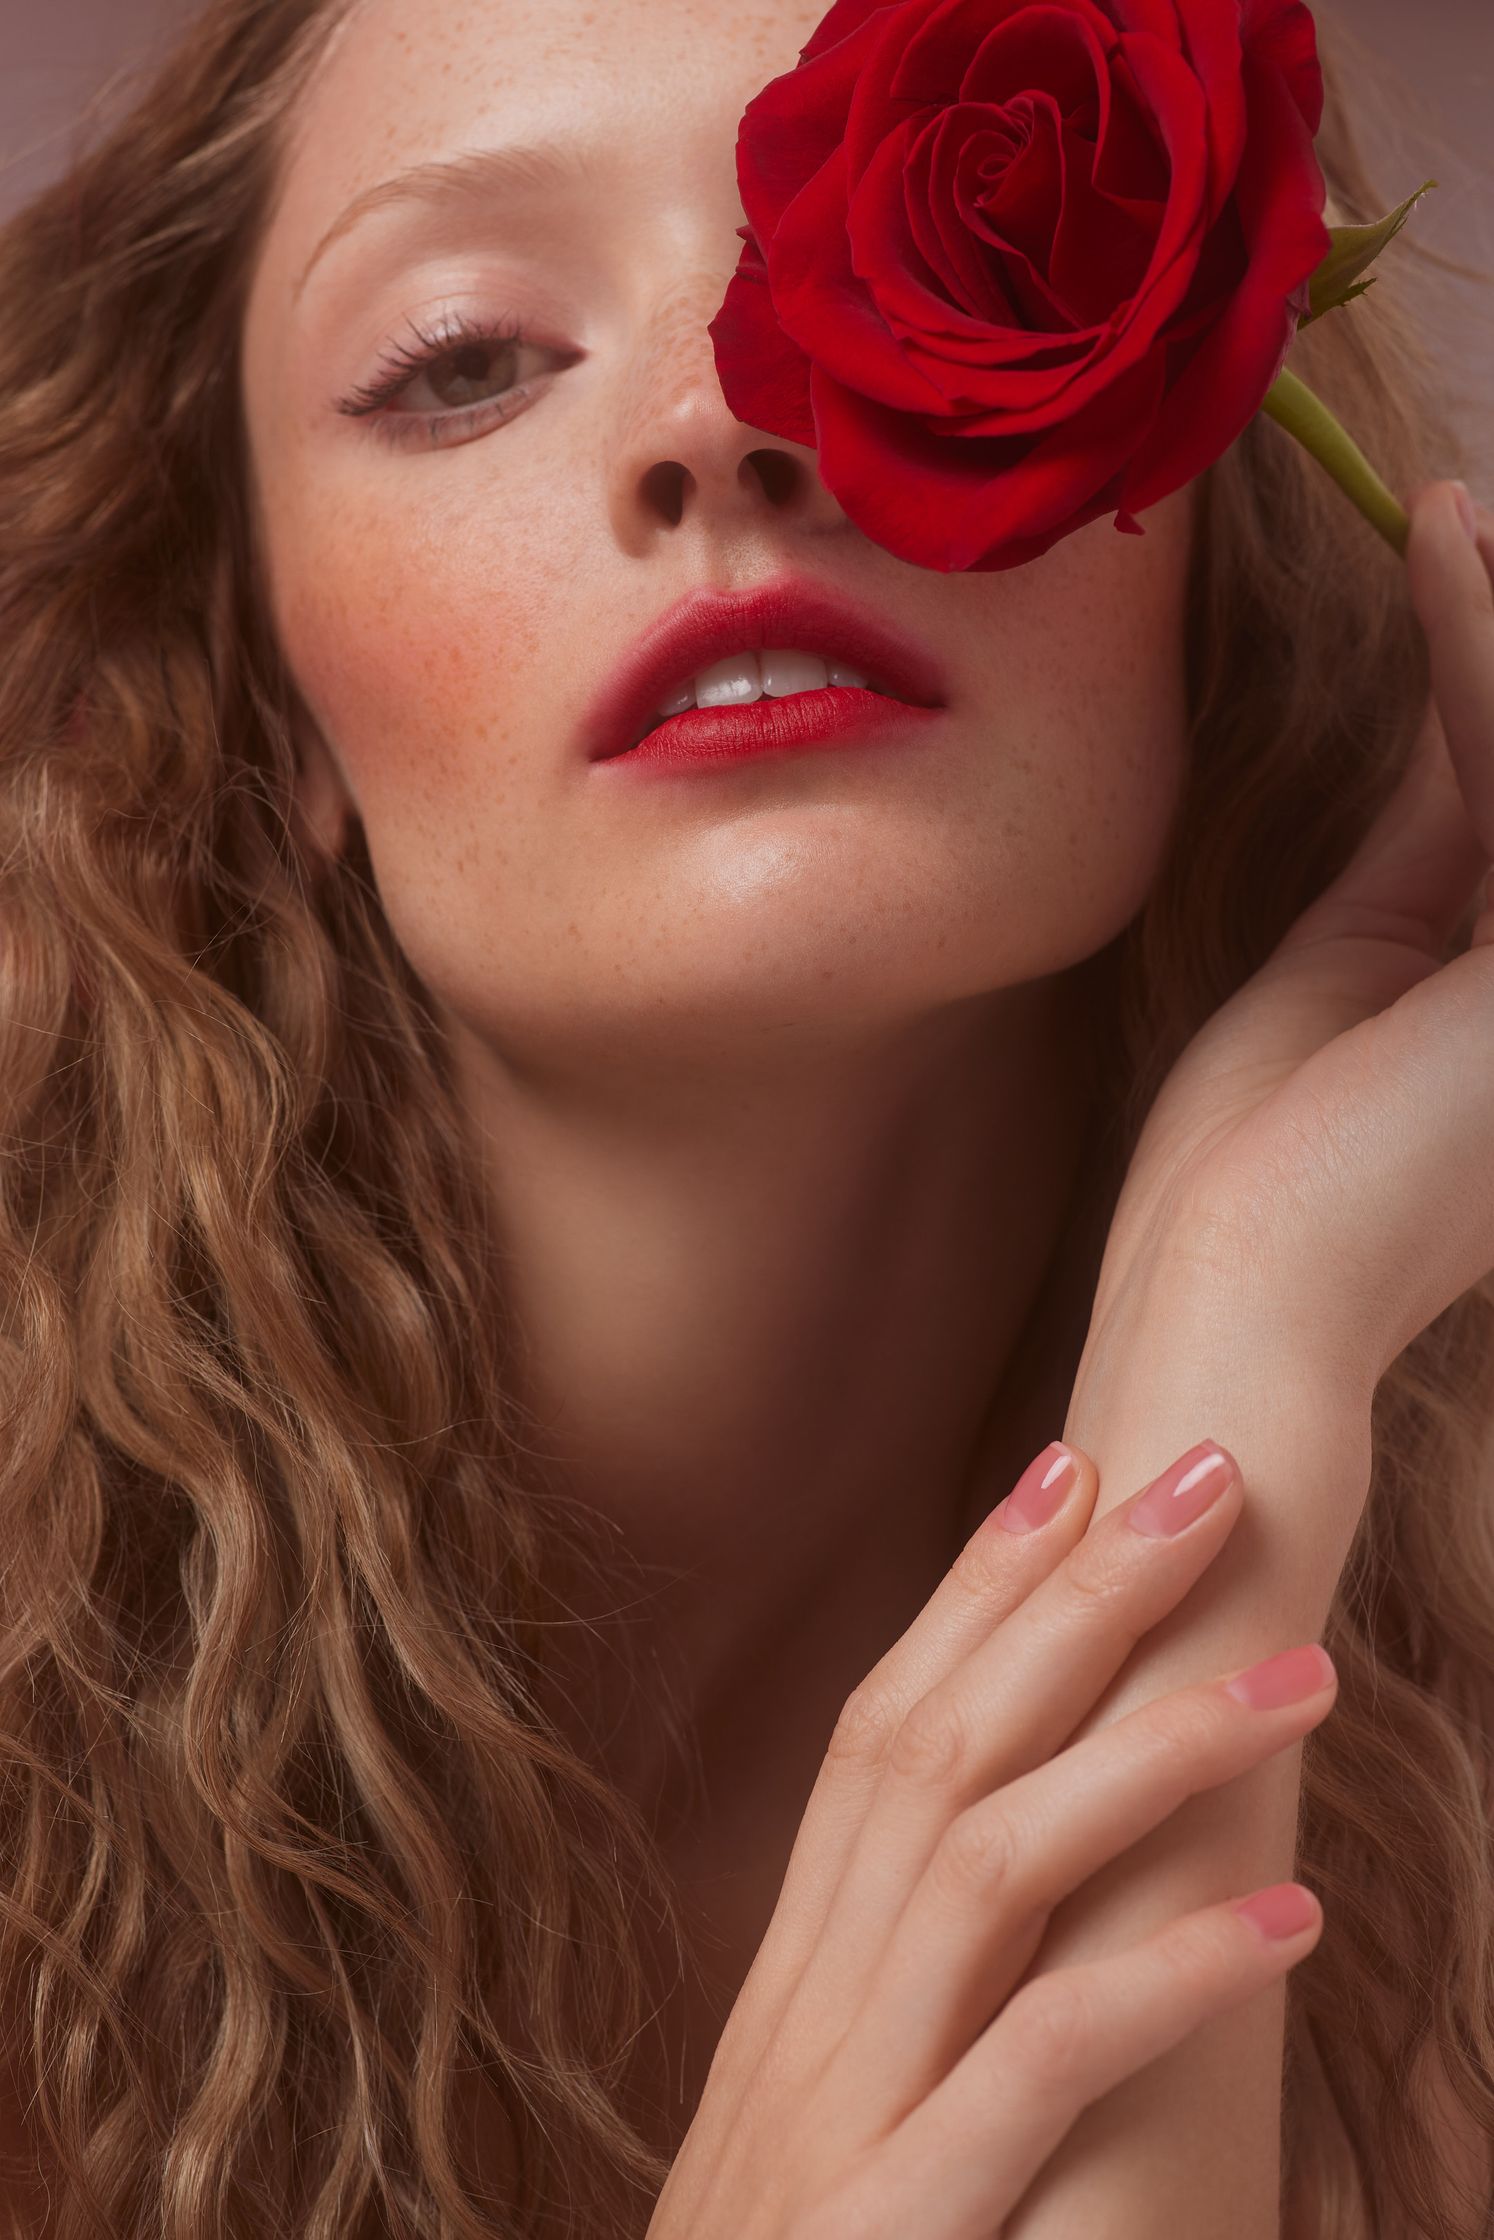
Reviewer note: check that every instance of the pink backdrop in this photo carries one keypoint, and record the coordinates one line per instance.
(1438, 123)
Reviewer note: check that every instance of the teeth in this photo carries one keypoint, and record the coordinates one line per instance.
(726, 683)
(784, 673)
(743, 677)
(678, 702)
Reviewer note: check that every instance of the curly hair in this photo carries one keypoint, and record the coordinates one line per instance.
(297, 1843)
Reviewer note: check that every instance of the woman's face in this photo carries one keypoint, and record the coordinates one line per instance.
(451, 598)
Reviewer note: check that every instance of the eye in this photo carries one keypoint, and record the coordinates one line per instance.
(460, 357)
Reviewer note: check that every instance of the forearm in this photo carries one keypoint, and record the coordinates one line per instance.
(1191, 2144)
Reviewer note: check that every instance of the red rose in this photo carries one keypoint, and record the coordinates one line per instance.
(1013, 264)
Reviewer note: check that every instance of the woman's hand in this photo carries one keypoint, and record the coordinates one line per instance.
(881, 2074)
(1319, 1164)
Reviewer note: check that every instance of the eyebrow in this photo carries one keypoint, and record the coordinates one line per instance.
(478, 174)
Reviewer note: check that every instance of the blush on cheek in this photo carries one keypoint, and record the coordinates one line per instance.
(432, 703)
(395, 686)
(1102, 637)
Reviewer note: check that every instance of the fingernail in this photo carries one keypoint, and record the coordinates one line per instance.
(1041, 1491)
(1287, 1678)
(1466, 512)
(1181, 1495)
(1285, 1910)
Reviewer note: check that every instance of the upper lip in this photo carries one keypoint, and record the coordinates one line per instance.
(787, 611)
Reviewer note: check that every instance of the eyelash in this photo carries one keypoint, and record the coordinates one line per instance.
(403, 364)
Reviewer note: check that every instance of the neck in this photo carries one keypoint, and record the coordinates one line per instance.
(789, 1328)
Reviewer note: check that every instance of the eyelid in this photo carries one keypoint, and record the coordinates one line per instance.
(402, 364)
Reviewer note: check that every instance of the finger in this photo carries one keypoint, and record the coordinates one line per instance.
(1385, 922)
(962, 2160)
(965, 1937)
(1415, 870)
(1007, 1708)
(993, 1574)
(1412, 876)
(1452, 590)
(1483, 929)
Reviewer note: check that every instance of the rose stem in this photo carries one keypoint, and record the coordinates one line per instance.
(1294, 407)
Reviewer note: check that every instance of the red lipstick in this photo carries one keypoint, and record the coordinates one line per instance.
(787, 612)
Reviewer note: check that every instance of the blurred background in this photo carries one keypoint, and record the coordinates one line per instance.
(1423, 71)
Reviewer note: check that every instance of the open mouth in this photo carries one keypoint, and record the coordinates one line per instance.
(704, 665)
(774, 673)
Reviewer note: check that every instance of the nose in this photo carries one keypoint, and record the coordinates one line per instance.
(680, 460)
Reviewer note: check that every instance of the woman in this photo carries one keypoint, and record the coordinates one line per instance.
(528, 1274)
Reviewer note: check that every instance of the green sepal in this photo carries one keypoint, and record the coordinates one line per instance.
(1354, 250)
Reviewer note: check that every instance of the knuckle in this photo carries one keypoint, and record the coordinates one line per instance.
(1189, 1723)
(1051, 2025)
(931, 1745)
(977, 1853)
(979, 1567)
(864, 1732)
(1200, 1948)
(1099, 1586)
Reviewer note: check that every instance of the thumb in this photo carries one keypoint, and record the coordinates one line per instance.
(1415, 871)
(1451, 575)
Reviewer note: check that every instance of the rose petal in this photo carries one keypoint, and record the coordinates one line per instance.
(938, 53)
(1130, 167)
(1027, 398)
(1281, 34)
(1022, 263)
(1011, 191)
(843, 18)
(1280, 197)
(886, 250)
(794, 124)
(826, 308)
(763, 373)
(1101, 250)
(898, 41)
(1061, 49)
(949, 503)
(947, 246)
(1212, 39)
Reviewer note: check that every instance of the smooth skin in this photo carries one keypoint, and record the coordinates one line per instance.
(781, 1079)
(1355, 1076)
(882, 2073)
(1323, 1145)
(1312, 1188)
(784, 1089)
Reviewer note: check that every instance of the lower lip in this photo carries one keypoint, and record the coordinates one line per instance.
(837, 715)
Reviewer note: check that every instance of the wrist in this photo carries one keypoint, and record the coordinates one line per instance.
(1153, 1382)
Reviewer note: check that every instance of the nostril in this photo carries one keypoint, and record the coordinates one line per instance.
(776, 471)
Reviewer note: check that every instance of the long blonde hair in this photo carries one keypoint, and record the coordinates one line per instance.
(290, 1847)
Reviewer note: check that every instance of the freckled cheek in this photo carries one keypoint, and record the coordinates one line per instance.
(1084, 674)
(431, 689)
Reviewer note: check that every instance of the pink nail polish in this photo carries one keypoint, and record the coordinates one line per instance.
(1181, 1495)
(1285, 1910)
(1288, 1678)
(1466, 513)
(1041, 1491)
